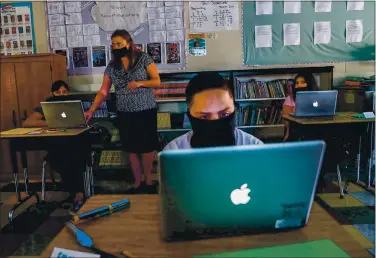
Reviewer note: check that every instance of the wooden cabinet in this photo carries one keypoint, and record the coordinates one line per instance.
(25, 81)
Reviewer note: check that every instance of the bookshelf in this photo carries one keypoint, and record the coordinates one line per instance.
(272, 89)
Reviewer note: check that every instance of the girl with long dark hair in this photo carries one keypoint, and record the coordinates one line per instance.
(302, 82)
(134, 75)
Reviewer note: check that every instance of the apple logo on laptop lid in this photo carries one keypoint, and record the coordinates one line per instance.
(241, 195)
(63, 115)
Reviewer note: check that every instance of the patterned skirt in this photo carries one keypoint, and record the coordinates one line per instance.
(138, 131)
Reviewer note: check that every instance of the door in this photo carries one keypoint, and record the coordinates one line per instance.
(9, 118)
(33, 86)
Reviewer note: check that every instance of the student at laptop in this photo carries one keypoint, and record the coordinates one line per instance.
(211, 112)
(64, 156)
(302, 82)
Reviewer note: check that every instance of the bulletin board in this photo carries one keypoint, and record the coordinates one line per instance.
(82, 32)
(17, 29)
(337, 50)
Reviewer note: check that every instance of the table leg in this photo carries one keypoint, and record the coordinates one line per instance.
(24, 166)
(358, 161)
(91, 173)
(341, 194)
(20, 201)
(370, 157)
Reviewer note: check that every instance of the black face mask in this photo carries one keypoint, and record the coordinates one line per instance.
(120, 53)
(212, 133)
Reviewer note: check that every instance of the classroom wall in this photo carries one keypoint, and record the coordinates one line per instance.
(223, 53)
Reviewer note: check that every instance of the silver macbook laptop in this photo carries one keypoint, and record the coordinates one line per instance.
(209, 192)
(64, 114)
(315, 103)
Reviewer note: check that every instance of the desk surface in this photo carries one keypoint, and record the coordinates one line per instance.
(137, 231)
(339, 118)
(24, 133)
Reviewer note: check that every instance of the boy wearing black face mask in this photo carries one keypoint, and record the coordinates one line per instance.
(212, 115)
(65, 156)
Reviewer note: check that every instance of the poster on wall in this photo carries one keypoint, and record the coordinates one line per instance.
(89, 25)
(197, 44)
(16, 31)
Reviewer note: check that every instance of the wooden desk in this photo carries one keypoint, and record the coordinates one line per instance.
(138, 231)
(20, 140)
(335, 126)
(339, 118)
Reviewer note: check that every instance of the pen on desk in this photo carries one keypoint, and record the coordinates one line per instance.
(103, 211)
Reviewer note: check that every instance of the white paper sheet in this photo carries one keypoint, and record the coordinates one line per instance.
(174, 24)
(156, 13)
(174, 11)
(60, 252)
(92, 40)
(173, 3)
(292, 7)
(157, 36)
(91, 29)
(175, 35)
(213, 16)
(73, 18)
(322, 32)
(74, 30)
(264, 7)
(60, 42)
(119, 15)
(72, 7)
(355, 5)
(153, 4)
(57, 31)
(263, 36)
(75, 41)
(354, 31)
(158, 24)
(55, 7)
(291, 34)
(55, 19)
(323, 6)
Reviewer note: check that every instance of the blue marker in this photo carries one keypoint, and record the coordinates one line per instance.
(102, 211)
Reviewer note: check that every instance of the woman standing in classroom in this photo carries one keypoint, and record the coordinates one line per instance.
(134, 75)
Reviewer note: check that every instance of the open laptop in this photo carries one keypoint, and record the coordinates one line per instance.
(64, 114)
(315, 104)
(209, 192)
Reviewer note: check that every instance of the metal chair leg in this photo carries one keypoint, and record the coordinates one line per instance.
(44, 179)
(340, 182)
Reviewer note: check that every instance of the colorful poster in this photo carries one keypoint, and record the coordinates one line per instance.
(154, 50)
(196, 44)
(99, 56)
(16, 33)
(173, 53)
(80, 57)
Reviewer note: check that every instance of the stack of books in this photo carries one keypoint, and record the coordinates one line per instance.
(250, 116)
(353, 81)
(248, 88)
(112, 158)
(171, 91)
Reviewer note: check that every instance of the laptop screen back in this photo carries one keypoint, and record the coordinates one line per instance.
(316, 103)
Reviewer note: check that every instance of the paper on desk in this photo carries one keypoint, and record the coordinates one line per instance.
(19, 131)
(60, 252)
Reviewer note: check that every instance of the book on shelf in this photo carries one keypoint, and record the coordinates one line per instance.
(248, 88)
(163, 121)
(250, 115)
